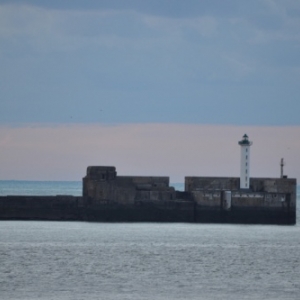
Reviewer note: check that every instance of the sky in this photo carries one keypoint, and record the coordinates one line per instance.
(148, 86)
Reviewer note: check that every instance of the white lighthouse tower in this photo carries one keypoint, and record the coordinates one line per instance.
(245, 162)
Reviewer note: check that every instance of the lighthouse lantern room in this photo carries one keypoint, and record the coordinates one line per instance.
(245, 162)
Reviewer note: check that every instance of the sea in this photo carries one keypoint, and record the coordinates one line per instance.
(143, 261)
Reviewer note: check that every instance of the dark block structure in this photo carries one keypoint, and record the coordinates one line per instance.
(54, 208)
(267, 201)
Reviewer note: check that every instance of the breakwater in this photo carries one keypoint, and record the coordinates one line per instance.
(110, 198)
(71, 208)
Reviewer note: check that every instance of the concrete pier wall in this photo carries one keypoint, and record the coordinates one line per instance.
(56, 208)
(41, 208)
(111, 198)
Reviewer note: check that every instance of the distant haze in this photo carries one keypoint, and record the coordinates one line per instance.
(176, 150)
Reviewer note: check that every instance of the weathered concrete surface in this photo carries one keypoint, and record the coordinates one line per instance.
(57, 208)
(72, 208)
(101, 185)
(41, 208)
(143, 212)
(211, 183)
(267, 201)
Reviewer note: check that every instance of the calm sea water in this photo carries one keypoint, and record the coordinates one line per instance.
(48, 188)
(16, 187)
(79, 260)
(65, 260)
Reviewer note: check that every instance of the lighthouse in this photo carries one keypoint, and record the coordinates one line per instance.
(245, 162)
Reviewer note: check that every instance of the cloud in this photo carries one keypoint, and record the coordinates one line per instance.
(176, 150)
(205, 26)
(271, 22)
(121, 63)
(65, 30)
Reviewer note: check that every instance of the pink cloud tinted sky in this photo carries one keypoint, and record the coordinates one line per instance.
(62, 152)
